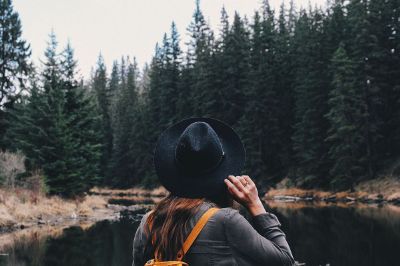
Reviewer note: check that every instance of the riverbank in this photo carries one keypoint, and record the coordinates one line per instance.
(384, 190)
(21, 208)
(136, 191)
(33, 219)
(347, 226)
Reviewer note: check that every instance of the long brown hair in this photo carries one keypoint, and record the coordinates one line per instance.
(170, 220)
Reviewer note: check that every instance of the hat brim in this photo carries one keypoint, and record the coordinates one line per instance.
(203, 185)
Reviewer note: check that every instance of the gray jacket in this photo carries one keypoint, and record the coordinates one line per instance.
(229, 239)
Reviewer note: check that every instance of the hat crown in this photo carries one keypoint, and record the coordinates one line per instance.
(199, 149)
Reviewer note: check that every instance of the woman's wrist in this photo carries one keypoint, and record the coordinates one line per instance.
(256, 208)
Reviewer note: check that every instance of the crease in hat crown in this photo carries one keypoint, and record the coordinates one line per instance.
(199, 149)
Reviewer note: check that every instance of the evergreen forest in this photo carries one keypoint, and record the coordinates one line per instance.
(314, 93)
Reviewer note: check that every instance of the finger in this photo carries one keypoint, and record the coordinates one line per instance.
(243, 180)
(235, 180)
(248, 179)
(233, 193)
(246, 185)
(242, 184)
(232, 187)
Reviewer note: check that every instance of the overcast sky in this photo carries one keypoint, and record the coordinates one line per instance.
(119, 27)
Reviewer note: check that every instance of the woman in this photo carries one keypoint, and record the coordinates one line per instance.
(199, 160)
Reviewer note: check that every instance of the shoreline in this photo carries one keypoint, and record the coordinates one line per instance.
(378, 191)
(21, 209)
(316, 196)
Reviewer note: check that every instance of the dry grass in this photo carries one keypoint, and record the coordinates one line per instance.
(89, 205)
(23, 206)
(387, 188)
(11, 164)
(295, 192)
(6, 220)
(27, 207)
(136, 191)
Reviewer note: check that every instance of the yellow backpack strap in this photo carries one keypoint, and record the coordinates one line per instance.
(196, 231)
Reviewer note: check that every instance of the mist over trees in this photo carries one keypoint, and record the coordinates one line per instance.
(314, 94)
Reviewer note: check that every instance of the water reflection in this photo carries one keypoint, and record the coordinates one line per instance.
(105, 243)
(343, 236)
(318, 235)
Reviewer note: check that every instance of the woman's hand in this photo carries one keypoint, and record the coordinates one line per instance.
(244, 191)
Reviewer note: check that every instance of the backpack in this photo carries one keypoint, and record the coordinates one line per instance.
(188, 242)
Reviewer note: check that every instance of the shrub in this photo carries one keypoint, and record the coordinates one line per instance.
(11, 165)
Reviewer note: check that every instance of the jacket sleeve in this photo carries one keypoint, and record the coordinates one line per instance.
(265, 242)
(139, 243)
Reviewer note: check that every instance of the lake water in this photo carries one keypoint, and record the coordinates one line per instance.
(318, 235)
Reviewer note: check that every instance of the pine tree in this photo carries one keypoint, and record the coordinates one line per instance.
(15, 66)
(384, 22)
(114, 89)
(122, 75)
(58, 128)
(392, 96)
(199, 33)
(123, 158)
(260, 125)
(251, 124)
(364, 48)
(14, 52)
(292, 18)
(146, 129)
(25, 123)
(170, 78)
(283, 73)
(173, 72)
(347, 121)
(236, 54)
(195, 73)
(52, 152)
(114, 79)
(99, 85)
(148, 123)
(269, 90)
(84, 122)
(310, 101)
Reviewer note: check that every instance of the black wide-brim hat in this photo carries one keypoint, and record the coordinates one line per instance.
(194, 156)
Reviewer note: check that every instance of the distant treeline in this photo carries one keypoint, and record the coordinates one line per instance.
(314, 95)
